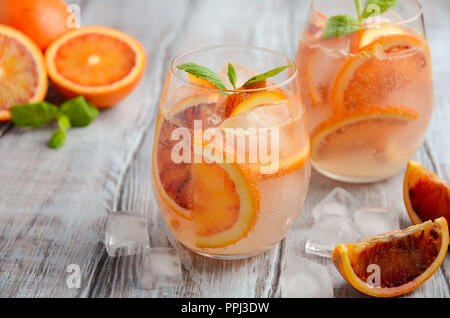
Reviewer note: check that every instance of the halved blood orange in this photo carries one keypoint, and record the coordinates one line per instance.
(238, 103)
(100, 63)
(385, 65)
(23, 77)
(426, 196)
(226, 204)
(370, 126)
(404, 259)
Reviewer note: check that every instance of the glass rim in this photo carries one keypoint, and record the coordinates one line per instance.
(414, 17)
(174, 70)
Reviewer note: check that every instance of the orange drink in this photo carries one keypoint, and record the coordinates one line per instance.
(367, 87)
(231, 155)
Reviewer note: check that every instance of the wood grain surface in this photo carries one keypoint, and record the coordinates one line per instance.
(54, 204)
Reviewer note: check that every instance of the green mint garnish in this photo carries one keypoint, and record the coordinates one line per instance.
(339, 25)
(344, 24)
(58, 138)
(205, 73)
(76, 112)
(232, 77)
(80, 112)
(377, 7)
(266, 75)
(33, 115)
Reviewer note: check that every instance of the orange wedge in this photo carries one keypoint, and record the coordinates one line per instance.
(226, 204)
(363, 38)
(426, 196)
(370, 126)
(102, 64)
(200, 81)
(238, 103)
(174, 180)
(405, 259)
(23, 77)
(386, 64)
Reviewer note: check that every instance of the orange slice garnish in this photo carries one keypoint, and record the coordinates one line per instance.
(426, 196)
(386, 64)
(367, 128)
(200, 81)
(23, 77)
(102, 64)
(405, 259)
(363, 38)
(226, 204)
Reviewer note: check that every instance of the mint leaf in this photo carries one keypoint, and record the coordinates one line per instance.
(340, 25)
(79, 112)
(358, 8)
(203, 72)
(33, 114)
(266, 75)
(58, 139)
(232, 77)
(64, 122)
(377, 7)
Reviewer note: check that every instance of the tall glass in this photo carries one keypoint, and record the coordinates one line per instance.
(369, 93)
(231, 168)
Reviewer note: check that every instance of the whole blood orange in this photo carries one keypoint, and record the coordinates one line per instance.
(23, 77)
(426, 196)
(42, 20)
(102, 64)
(402, 260)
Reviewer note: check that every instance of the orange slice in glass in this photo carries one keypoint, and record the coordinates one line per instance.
(23, 77)
(225, 206)
(200, 81)
(173, 181)
(372, 125)
(395, 263)
(426, 196)
(100, 63)
(386, 64)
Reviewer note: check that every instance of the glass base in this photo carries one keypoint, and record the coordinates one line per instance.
(230, 257)
(349, 179)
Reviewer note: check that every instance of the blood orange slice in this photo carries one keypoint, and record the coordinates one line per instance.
(23, 77)
(226, 204)
(100, 63)
(385, 65)
(403, 260)
(370, 128)
(426, 196)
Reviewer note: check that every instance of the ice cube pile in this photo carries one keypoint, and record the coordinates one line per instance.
(303, 278)
(127, 235)
(339, 219)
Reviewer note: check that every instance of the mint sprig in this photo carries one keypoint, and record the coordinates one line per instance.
(204, 73)
(232, 77)
(264, 76)
(344, 24)
(76, 112)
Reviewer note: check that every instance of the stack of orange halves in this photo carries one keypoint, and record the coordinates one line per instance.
(102, 64)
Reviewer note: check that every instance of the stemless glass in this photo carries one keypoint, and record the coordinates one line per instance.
(368, 94)
(231, 168)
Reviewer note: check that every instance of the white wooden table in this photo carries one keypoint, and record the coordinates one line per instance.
(53, 204)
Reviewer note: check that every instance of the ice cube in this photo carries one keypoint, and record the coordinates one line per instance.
(374, 221)
(328, 231)
(160, 268)
(243, 74)
(337, 202)
(125, 234)
(303, 278)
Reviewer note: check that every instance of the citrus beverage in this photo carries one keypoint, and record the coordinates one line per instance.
(368, 93)
(230, 167)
